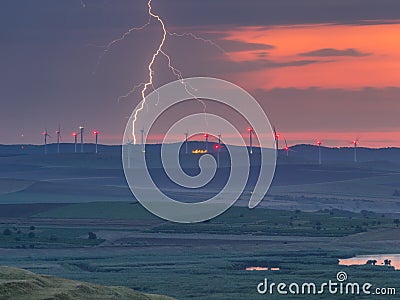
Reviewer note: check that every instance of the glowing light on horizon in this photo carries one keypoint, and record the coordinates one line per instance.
(199, 151)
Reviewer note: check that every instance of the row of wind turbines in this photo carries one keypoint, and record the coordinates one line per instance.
(75, 134)
(217, 146)
(277, 135)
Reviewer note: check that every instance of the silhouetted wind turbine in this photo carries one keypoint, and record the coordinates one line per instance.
(81, 129)
(217, 148)
(206, 137)
(319, 152)
(250, 130)
(287, 148)
(129, 146)
(45, 135)
(96, 134)
(355, 143)
(143, 146)
(277, 136)
(58, 132)
(75, 135)
(186, 141)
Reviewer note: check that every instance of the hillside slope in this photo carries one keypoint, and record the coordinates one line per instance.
(23, 285)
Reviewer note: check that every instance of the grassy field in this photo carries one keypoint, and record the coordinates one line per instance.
(312, 217)
(237, 220)
(206, 260)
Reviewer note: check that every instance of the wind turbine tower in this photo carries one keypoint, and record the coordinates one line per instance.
(277, 136)
(129, 146)
(75, 135)
(186, 141)
(206, 137)
(250, 130)
(58, 132)
(81, 129)
(319, 152)
(45, 135)
(143, 146)
(355, 143)
(96, 134)
(217, 148)
(286, 148)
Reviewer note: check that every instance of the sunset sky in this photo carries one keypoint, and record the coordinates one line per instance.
(327, 70)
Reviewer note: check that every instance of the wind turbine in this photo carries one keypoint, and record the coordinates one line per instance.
(45, 135)
(129, 145)
(251, 132)
(22, 142)
(355, 143)
(58, 132)
(143, 146)
(75, 135)
(319, 152)
(206, 137)
(217, 148)
(81, 129)
(277, 136)
(287, 148)
(186, 141)
(96, 134)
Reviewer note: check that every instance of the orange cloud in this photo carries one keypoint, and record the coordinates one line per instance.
(361, 55)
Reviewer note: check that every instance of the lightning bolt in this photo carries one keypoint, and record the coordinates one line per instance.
(160, 51)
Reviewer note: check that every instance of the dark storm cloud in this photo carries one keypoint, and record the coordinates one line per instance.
(271, 12)
(47, 68)
(334, 52)
(367, 109)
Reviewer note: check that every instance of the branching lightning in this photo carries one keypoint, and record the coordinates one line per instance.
(159, 51)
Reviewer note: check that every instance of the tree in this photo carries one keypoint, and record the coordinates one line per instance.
(371, 262)
(92, 236)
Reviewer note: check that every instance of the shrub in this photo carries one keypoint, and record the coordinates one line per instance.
(7, 231)
(92, 236)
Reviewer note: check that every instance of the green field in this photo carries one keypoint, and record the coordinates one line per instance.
(205, 260)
